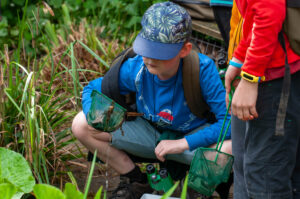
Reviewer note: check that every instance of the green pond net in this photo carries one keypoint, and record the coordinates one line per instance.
(105, 114)
(210, 166)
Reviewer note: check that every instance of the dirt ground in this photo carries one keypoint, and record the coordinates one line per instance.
(103, 176)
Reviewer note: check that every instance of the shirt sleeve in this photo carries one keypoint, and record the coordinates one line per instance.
(127, 76)
(86, 94)
(261, 39)
(214, 94)
(128, 73)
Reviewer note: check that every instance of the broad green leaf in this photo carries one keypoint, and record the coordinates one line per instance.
(44, 191)
(18, 195)
(7, 191)
(15, 170)
(72, 192)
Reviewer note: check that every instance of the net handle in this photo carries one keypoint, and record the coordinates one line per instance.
(219, 146)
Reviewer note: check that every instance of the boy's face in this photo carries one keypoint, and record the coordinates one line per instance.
(166, 69)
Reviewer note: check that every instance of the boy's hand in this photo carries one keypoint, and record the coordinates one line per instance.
(165, 147)
(244, 100)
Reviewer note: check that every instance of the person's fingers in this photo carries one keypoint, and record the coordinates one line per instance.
(239, 113)
(246, 113)
(160, 156)
(253, 112)
(159, 152)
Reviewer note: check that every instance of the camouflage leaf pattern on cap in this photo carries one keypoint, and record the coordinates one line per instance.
(166, 23)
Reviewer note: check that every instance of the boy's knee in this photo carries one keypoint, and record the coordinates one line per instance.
(227, 147)
(79, 125)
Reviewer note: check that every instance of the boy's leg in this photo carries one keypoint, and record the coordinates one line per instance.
(270, 160)
(138, 138)
(133, 183)
(93, 139)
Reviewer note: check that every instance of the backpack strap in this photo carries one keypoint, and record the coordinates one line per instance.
(190, 81)
(111, 88)
(285, 92)
(191, 85)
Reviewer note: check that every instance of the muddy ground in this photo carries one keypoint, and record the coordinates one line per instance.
(103, 176)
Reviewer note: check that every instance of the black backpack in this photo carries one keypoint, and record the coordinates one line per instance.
(190, 78)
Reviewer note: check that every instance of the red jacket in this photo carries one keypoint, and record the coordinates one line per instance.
(259, 48)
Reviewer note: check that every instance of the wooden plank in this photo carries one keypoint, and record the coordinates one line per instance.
(207, 28)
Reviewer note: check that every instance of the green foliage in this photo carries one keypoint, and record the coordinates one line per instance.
(119, 19)
(43, 191)
(171, 190)
(33, 111)
(7, 190)
(72, 192)
(122, 17)
(16, 179)
(184, 189)
(15, 171)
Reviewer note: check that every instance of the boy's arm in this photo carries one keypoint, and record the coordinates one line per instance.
(86, 94)
(126, 83)
(214, 94)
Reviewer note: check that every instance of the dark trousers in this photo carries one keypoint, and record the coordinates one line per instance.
(222, 16)
(268, 166)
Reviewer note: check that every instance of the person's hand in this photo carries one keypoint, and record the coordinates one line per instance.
(231, 73)
(165, 147)
(244, 100)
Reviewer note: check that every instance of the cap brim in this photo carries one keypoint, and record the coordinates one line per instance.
(155, 50)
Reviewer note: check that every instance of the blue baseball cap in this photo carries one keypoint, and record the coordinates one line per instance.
(165, 28)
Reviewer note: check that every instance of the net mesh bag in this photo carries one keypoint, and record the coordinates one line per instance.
(208, 169)
(210, 166)
(105, 114)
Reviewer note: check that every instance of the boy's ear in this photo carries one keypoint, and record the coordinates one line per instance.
(186, 49)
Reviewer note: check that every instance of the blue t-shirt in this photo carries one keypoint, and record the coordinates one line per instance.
(163, 101)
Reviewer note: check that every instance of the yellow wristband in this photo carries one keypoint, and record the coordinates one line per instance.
(252, 78)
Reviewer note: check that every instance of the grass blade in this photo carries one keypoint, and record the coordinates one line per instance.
(90, 176)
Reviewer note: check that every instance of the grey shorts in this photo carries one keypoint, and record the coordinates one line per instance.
(140, 139)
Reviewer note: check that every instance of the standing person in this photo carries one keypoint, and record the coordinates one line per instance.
(222, 14)
(271, 163)
(237, 126)
(155, 75)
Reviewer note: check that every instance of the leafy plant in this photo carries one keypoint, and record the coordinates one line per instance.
(15, 174)
(16, 179)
